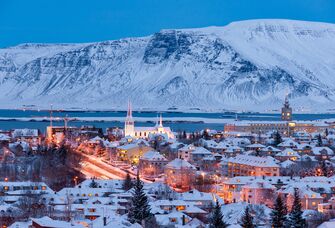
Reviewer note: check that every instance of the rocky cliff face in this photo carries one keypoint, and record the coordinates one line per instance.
(247, 65)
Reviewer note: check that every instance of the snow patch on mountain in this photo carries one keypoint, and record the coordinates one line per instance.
(247, 65)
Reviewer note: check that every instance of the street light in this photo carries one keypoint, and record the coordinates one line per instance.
(75, 179)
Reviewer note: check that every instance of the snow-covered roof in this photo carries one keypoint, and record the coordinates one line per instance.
(153, 156)
(288, 152)
(25, 133)
(165, 219)
(286, 164)
(259, 184)
(179, 164)
(95, 139)
(48, 222)
(233, 212)
(256, 145)
(288, 143)
(328, 224)
(128, 146)
(4, 137)
(201, 150)
(318, 150)
(195, 195)
(270, 148)
(304, 191)
(254, 161)
(109, 184)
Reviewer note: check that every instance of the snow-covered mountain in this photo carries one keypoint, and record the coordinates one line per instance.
(247, 65)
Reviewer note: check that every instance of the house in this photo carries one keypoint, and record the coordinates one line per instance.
(245, 165)
(179, 174)
(327, 208)
(185, 152)
(309, 199)
(322, 153)
(259, 192)
(199, 153)
(203, 200)
(172, 219)
(287, 154)
(269, 151)
(152, 164)
(132, 152)
(288, 143)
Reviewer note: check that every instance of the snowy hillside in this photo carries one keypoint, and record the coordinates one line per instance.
(248, 65)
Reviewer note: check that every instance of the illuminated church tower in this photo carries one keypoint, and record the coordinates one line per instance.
(129, 129)
(286, 111)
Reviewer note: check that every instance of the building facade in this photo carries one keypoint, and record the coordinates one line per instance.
(286, 111)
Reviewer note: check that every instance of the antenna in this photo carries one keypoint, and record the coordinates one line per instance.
(66, 120)
(51, 116)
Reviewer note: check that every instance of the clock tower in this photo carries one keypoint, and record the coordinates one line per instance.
(286, 111)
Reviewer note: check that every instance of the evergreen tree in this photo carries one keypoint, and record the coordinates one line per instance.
(93, 184)
(326, 132)
(216, 220)
(278, 214)
(205, 135)
(140, 209)
(247, 220)
(127, 183)
(295, 217)
(277, 138)
(324, 168)
(319, 138)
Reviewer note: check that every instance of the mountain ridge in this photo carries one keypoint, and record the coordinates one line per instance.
(247, 65)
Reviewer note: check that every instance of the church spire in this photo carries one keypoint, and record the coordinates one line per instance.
(129, 129)
(129, 110)
(286, 103)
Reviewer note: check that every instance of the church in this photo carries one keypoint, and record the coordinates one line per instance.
(145, 132)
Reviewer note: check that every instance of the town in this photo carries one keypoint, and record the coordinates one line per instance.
(250, 174)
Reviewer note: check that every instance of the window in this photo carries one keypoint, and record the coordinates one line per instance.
(173, 219)
(180, 208)
(91, 210)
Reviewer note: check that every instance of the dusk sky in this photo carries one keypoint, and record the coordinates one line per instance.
(64, 21)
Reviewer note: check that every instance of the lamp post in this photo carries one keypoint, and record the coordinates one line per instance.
(75, 179)
(203, 180)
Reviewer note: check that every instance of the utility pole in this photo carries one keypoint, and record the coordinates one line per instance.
(51, 116)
